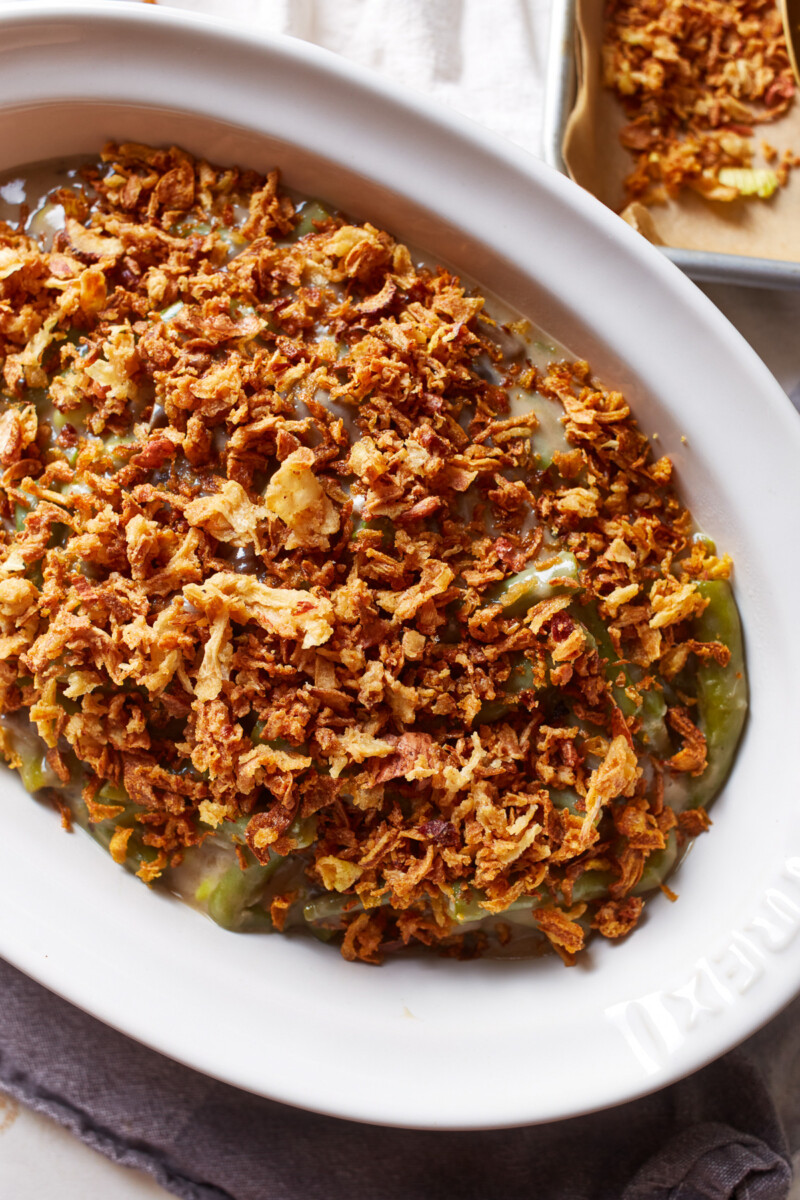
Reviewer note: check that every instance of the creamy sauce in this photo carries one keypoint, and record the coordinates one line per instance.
(33, 189)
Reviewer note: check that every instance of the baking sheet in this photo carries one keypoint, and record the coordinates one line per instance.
(765, 229)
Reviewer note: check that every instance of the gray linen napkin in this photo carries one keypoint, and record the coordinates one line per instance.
(724, 1133)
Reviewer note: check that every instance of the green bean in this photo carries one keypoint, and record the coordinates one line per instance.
(591, 885)
(493, 710)
(310, 212)
(36, 773)
(76, 417)
(658, 866)
(652, 714)
(320, 932)
(594, 884)
(21, 511)
(234, 831)
(652, 708)
(136, 850)
(703, 539)
(258, 739)
(721, 691)
(303, 831)
(75, 337)
(332, 907)
(169, 313)
(519, 592)
(468, 911)
(59, 533)
(110, 793)
(520, 912)
(567, 798)
(231, 902)
(465, 907)
(465, 904)
(520, 679)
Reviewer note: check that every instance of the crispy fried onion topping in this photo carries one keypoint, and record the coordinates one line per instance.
(280, 565)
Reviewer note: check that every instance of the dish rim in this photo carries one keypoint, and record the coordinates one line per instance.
(460, 139)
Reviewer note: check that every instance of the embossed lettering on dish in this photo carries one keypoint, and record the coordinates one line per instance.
(654, 1026)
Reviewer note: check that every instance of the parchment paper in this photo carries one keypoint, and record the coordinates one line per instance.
(597, 161)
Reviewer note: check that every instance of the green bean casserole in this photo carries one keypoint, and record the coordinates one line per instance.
(334, 597)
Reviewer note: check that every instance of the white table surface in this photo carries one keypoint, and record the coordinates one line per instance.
(41, 1161)
(492, 75)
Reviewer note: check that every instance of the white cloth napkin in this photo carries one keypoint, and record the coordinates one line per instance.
(484, 57)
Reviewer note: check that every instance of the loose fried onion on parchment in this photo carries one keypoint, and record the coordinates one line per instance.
(695, 77)
(194, 610)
